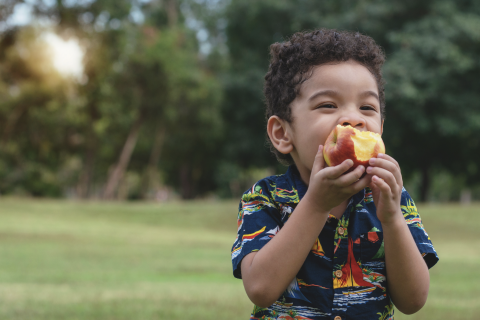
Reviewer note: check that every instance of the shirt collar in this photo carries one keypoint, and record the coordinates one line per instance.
(289, 187)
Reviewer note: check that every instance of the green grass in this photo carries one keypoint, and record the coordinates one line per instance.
(75, 260)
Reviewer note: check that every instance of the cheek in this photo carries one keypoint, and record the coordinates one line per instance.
(323, 133)
(311, 148)
(375, 125)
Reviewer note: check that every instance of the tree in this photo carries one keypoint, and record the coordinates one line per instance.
(177, 98)
(144, 86)
(430, 69)
(433, 95)
(36, 110)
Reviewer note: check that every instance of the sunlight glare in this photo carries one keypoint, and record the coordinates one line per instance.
(67, 55)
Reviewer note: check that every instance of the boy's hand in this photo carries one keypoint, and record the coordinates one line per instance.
(329, 186)
(387, 184)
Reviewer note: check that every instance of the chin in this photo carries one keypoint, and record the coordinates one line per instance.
(345, 142)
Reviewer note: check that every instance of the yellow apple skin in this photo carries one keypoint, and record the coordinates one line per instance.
(345, 142)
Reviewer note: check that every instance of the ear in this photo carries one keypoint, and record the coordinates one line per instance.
(279, 132)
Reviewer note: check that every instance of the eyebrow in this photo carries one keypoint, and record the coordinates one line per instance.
(324, 93)
(334, 93)
(369, 93)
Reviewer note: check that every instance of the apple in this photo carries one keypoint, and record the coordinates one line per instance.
(345, 142)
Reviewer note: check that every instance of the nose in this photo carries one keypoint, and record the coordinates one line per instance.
(352, 119)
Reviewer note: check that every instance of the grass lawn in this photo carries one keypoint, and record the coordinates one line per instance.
(75, 260)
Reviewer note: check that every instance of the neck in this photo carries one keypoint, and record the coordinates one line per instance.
(304, 174)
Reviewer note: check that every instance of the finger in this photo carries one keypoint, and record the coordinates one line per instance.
(389, 158)
(381, 185)
(375, 190)
(360, 184)
(337, 171)
(389, 166)
(319, 161)
(385, 175)
(351, 177)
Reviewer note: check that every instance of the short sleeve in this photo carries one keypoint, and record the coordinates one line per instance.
(414, 222)
(258, 221)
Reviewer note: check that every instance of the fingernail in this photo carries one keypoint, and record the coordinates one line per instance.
(380, 155)
(362, 167)
(369, 169)
(350, 162)
(372, 160)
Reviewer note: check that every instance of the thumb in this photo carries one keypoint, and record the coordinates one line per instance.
(319, 162)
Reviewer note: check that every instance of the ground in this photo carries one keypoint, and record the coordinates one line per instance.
(76, 260)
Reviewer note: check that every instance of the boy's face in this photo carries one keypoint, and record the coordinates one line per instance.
(343, 93)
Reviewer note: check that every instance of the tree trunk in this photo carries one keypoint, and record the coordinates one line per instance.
(172, 13)
(86, 177)
(186, 182)
(60, 11)
(151, 173)
(425, 183)
(466, 197)
(117, 173)
(85, 180)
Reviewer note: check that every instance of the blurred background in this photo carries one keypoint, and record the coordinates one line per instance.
(159, 102)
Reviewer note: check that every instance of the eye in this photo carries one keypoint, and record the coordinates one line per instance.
(367, 107)
(327, 106)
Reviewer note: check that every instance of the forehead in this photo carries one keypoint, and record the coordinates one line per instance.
(349, 76)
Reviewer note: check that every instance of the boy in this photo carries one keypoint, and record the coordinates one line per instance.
(316, 242)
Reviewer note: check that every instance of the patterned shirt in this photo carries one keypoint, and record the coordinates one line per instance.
(344, 275)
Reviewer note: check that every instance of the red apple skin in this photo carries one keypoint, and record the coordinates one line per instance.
(337, 152)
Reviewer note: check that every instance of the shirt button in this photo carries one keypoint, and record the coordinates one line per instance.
(341, 231)
(338, 273)
(338, 318)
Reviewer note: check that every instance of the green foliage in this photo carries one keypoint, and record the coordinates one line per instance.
(189, 77)
(433, 73)
(432, 103)
(63, 136)
(35, 110)
(192, 120)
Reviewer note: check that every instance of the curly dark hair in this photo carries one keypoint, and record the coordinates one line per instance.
(292, 62)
